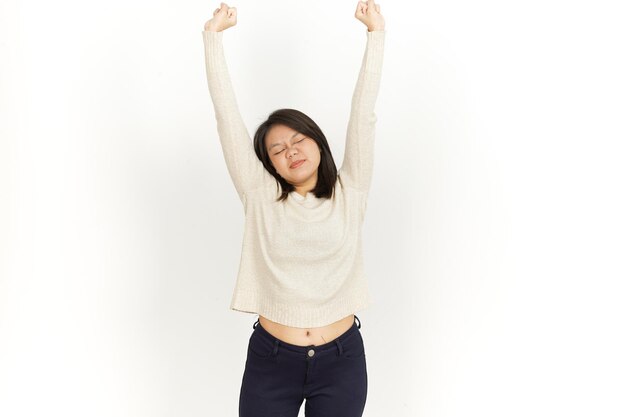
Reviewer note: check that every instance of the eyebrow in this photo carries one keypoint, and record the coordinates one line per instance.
(276, 144)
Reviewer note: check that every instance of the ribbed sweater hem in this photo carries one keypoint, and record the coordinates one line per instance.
(307, 317)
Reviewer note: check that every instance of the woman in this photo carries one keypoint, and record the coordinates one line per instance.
(301, 265)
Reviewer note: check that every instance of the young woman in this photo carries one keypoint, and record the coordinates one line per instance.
(301, 266)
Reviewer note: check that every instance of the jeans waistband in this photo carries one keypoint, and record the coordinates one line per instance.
(333, 344)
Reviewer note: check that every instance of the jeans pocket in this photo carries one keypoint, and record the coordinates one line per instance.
(260, 346)
(353, 347)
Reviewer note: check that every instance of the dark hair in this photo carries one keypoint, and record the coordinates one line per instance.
(300, 122)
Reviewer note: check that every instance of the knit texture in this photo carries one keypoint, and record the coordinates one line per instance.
(301, 262)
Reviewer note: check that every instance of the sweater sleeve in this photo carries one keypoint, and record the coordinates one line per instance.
(245, 168)
(358, 161)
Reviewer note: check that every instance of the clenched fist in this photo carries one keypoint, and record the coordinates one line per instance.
(368, 12)
(223, 18)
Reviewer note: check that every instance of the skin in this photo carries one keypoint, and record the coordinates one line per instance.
(284, 148)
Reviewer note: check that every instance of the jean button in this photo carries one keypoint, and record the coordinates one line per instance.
(311, 352)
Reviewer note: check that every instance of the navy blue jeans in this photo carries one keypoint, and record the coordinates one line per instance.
(279, 376)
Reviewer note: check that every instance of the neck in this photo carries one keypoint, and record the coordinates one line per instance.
(302, 192)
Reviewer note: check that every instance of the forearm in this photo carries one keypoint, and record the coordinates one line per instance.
(359, 151)
(241, 160)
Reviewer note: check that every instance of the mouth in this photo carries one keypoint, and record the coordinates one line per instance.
(297, 163)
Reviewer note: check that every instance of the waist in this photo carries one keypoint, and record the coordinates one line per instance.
(307, 336)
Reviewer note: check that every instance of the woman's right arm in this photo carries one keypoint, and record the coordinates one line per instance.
(244, 167)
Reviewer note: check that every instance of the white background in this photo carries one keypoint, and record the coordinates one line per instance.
(495, 234)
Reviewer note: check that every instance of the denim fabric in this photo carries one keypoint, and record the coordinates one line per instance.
(279, 376)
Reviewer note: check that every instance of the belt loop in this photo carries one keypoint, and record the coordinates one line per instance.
(275, 347)
(256, 323)
(339, 347)
(357, 319)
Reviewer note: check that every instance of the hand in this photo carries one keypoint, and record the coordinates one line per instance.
(223, 18)
(368, 12)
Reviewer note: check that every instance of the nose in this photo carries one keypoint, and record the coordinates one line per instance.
(291, 152)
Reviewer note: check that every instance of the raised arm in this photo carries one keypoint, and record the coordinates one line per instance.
(358, 161)
(244, 167)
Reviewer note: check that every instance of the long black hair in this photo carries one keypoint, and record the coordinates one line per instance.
(300, 122)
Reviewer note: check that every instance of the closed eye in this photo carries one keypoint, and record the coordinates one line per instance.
(283, 149)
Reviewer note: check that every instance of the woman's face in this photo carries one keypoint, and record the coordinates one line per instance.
(287, 147)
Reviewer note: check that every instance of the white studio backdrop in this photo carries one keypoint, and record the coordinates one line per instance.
(494, 240)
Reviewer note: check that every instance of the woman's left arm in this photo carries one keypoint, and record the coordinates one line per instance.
(356, 169)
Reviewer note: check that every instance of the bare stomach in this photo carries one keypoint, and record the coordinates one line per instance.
(306, 337)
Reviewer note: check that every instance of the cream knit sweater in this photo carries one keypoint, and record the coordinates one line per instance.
(301, 263)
